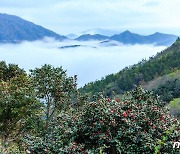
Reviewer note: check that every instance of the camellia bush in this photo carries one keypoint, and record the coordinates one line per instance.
(139, 124)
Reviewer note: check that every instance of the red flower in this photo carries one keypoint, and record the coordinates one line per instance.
(154, 108)
(117, 100)
(125, 120)
(175, 120)
(132, 115)
(74, 146)
(153, 127)
(108, 99)
(93, 134)
(102, 137)
(123, 103)
(112, 122)
(112, 110)
(46, 150)
(124, 114)
(162, 117)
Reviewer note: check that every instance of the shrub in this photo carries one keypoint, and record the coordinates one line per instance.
(135, 125)
(139, 124)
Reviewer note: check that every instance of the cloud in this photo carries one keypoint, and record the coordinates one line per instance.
(152, 3)
(71, 16)
(87, 62)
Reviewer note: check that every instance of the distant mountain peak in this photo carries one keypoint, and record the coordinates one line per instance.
(72, 36)
(88, 37)
(126, 32)
(128, 37)
(158, 33)
(14, 29)
(100, 31)
(157, 38)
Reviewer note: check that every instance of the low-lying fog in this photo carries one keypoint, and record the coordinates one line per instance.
(89, 60)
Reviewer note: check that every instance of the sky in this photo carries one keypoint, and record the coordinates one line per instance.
(73, 16)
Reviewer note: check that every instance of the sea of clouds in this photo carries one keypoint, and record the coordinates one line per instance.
(90, 61)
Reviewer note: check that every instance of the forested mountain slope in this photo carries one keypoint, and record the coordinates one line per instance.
(163, 63)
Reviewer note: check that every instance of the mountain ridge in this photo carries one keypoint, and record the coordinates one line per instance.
(128, 37)
(14, 29)
(88, 37)
(100, 31)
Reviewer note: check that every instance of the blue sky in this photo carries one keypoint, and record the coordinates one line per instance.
(73, 16)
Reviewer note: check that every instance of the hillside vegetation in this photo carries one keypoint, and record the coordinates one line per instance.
(164, 63)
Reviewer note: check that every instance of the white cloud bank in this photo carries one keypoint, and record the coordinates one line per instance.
(87, 62)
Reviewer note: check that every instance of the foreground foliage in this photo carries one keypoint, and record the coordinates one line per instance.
(45, 113)
(135, 125)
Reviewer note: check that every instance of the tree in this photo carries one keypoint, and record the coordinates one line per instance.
(9, 71)
(57, 92)
(18, 103)
(53, 88)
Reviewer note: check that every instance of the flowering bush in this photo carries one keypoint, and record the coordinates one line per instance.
(135, 125)
(139, 124)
